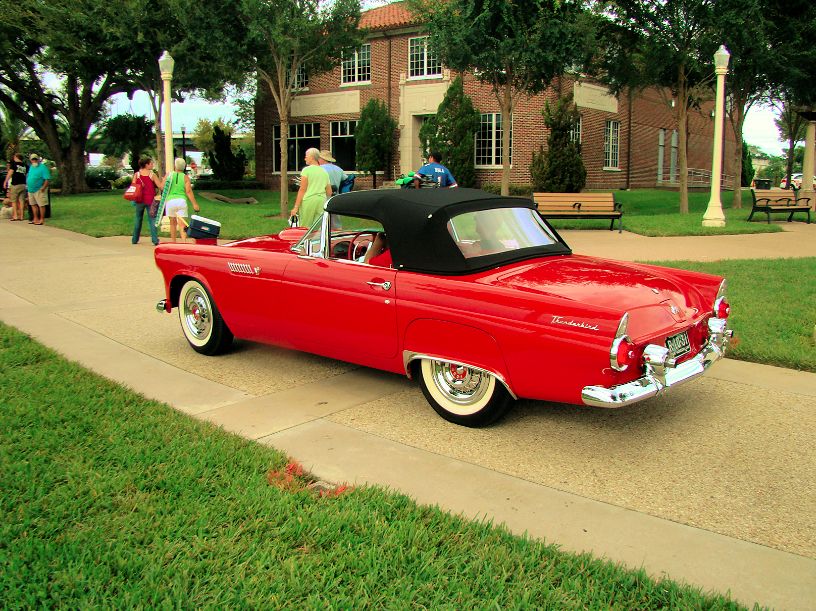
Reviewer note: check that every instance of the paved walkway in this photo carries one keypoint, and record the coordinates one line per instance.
(712, 485)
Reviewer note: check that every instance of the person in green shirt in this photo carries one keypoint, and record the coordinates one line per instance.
(181, 191)
(314, 190)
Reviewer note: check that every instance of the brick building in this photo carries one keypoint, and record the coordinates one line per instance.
(626, 142)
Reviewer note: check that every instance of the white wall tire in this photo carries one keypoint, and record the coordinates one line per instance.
(201, 321)
(463, 395)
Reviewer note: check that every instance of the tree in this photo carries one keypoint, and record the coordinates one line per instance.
(664, 43)
(69, 41)
(202, 135)
(209, 55)
(750, 68)
(515, 47)
(746, 167)
(125, 134)
(374, 137)
(451, 132)
(225, 162)
(289, 39)
(563, 169)
(791, 126)
(12, 131)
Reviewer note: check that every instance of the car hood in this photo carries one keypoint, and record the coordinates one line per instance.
(603, 283)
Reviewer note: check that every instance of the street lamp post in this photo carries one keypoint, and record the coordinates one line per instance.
(183, 142)
(166, 65)
(714, 216)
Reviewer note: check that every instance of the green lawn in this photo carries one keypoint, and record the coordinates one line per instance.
(649, 212)
(109, 214)
(108, 500)
(654, 212)
(773, 305)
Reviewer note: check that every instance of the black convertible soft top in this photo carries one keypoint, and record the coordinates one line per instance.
(415, 221)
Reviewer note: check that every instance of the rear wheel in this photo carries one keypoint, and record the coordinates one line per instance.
(463, 395)
(201, 321)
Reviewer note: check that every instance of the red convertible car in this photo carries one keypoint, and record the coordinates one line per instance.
(473, 294)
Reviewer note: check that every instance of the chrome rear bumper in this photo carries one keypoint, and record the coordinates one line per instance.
(659, 377)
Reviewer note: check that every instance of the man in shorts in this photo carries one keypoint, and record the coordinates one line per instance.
(15, 184)
(37, 185)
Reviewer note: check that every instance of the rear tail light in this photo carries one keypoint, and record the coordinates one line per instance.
(721, 306)
(622, 353)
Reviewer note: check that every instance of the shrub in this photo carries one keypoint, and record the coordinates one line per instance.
(208, 184)
(564, 170)
(226, 163)
(374, 137)
(451, 132)
(538, 169)
(100, 177)
(123, 182)
(516, 190)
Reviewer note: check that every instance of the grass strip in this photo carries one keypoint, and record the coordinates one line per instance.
(111, 500)
(773, 308)
(651, 212)
(654, 212)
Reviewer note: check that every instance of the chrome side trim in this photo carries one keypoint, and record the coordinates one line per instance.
(408, 357)
(661, 371)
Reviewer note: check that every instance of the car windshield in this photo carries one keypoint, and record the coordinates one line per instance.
(487, 232)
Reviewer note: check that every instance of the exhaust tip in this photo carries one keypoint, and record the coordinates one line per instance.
(161, 306)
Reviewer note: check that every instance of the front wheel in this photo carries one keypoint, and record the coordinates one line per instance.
(201, 321)
(463, 395)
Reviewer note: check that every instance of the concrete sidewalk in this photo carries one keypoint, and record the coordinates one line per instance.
(602, 482)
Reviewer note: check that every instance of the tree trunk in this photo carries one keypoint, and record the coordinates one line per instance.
(284, 159)
(507, 118)
(374, 179)
(789, 164)
(738, 122)
(682, 145)
(72, 168)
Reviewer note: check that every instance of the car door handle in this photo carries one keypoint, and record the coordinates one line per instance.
(385, 285)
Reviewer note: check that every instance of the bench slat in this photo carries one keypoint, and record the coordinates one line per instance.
(579, 205)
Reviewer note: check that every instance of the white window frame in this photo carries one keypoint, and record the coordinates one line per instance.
(426, 56)
(355, 63)
(311, 126)
(495, 142)
(301, 79)
(576, 131)
(612, 145)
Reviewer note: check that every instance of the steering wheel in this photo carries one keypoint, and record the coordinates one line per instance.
(361, 242)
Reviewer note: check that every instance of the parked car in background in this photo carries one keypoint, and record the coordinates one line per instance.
(479, 299)
(796, 181)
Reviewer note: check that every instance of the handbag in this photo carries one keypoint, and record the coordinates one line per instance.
(134, 192)
(294, 221)
(153, 209)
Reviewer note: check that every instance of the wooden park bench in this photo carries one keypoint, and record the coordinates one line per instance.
(779, 200)
(580, 206)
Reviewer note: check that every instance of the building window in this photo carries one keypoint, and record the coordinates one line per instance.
(356, 68)
(301, 78)
(302, 136)
(489, 141)
(421, 62)
(343, 146)
(611, 144)
(575, 131)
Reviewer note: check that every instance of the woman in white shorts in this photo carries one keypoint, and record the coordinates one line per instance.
(181, 190)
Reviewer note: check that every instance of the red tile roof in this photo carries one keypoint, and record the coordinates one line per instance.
(388, 17)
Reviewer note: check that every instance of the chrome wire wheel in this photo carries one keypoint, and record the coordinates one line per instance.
(196, 315)
(458, 389)
(201, 321)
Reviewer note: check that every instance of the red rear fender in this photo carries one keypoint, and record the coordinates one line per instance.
(455, 342)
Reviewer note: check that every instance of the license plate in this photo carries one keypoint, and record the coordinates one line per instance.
(678, 344)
